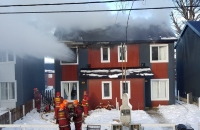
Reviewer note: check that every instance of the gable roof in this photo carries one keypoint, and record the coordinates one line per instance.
(194, 25)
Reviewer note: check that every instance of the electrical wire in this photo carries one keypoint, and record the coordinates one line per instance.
(82, 11)
(69, 3)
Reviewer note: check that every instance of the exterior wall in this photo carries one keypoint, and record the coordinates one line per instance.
(83, 62)
(50, 81)
(171, 75)
(29, 73)
(69, 72)
(136, 88)
(94, 57)
(188, 63)
(144, 53)
(58, 75)
(7, 75)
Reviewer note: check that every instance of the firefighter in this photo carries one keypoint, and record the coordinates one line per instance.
(57, 101)
(77, 115)
(37, 97)
(85, 103)
(63, 118)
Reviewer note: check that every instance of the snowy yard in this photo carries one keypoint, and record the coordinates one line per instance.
(181, 113)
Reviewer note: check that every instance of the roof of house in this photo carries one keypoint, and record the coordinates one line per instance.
(96, 73)
(115, 33)
(194, 25)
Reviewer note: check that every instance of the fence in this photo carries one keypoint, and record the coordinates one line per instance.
(142, 126)
(16, 113)
(26, 126)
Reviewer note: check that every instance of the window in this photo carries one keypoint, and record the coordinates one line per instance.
(8, 90)
(159, 89)
(122, 54)
(74, 61)
(106, 90)
(105, 54)
(70, 90)
(125, 88)
(159, 53)
(6, 56)
(50, 75)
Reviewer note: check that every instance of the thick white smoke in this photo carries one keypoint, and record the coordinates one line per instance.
(32, 34)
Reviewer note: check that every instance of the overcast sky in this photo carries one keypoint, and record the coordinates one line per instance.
(32, 34)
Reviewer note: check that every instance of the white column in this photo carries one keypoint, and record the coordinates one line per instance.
(33, 103)
(10, 118)
(178, 96)
(23, 110)
(199, 102)
(188, 98)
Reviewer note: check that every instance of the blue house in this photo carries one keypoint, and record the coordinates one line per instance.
(18, 77)
(188, 61)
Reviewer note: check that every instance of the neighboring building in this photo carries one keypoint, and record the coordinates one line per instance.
(187, 55)
(18, 77)
(98, 69)
(49, 75)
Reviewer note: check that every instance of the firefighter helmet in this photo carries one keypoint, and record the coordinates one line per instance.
(75, 102)
(62, 106)
(58, 94)
(65, 101)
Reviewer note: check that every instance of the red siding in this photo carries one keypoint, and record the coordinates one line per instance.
(69, 72)
(51, 81)
(137, 93)
(94, 57)
(160, 70)
(157, 103)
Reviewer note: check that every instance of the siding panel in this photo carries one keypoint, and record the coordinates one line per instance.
(94, 57)
(160, 70)
(69, 72)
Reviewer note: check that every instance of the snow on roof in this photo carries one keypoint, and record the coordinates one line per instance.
(115, 73)
(168, 38)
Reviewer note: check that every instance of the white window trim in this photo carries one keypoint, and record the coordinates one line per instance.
(167, 90)
(77, 58)
(105, 61)
(62, 92)
(129, 88)
(14, 100)
(159, 61)
(118, 51)
(110, 89)
(14, 61)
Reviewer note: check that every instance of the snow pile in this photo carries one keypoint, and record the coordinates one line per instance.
(187, 114)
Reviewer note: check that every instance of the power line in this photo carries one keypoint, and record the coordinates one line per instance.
(71, 3)
(82, 11)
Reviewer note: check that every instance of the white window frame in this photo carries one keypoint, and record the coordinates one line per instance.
(129, 88)
(105, 61)
(125, 49)
(167, 89)
(110, 89)
(158, 61)
(62, 90)
(50, 76)
(14, 58)
(77, 55)
(15, 86)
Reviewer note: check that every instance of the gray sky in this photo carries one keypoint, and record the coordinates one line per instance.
(31, 34)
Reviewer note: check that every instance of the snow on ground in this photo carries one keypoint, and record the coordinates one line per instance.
(181, 113)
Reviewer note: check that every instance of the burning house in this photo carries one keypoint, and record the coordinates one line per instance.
(110, 62)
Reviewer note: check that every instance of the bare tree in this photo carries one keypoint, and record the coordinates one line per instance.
(187, 10)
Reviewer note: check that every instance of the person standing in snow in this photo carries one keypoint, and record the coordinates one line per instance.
(85, 103)
(77, 116)
(37, 97)
(63, 118)
(57, 101)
